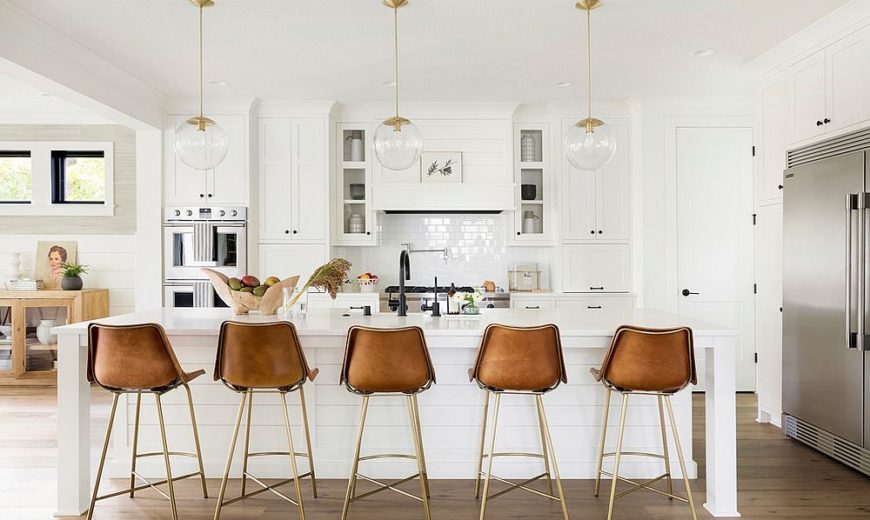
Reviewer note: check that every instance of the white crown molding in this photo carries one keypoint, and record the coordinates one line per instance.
(828, 29)
(290, 108)
(424, 110)
(38, 54)
(214, 105)
(735, 104)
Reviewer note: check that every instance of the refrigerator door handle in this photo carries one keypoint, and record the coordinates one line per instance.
(862, 215)
(851, 202)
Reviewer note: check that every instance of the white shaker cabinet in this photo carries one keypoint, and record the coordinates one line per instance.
(771, 147)
(226, 185)
(293, 180)
(806, 98)
(595, 205)
(596, 268)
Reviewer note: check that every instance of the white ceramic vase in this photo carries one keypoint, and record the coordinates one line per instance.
(43, 332)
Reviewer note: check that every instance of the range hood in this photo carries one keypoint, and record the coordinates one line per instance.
(443, 198)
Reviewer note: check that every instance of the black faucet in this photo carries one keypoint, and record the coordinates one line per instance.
(435, 307)
(404, 274)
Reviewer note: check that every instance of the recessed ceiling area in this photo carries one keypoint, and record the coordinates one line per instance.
(450, 50)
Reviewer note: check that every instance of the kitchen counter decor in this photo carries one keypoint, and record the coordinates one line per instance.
(247, 294)
(329, 277)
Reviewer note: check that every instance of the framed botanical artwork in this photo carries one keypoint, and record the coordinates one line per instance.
(441, 167)
(49, 258)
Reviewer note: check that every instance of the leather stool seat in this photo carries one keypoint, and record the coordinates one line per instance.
(137, 359)
(658, 362)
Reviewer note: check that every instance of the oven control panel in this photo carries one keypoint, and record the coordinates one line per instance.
(234, 213)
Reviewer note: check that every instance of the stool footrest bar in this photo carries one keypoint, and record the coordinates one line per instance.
(644, 485)
(390, 486)
(147, 484)
(522, 485)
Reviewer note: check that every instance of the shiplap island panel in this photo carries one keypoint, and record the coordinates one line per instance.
(451, 411)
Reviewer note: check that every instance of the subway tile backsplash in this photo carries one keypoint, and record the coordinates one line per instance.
(476, 246)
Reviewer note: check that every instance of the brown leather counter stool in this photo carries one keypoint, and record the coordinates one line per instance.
(387, 362)
(264, 358)
(138, 359)
(519, 361)
(641, 361)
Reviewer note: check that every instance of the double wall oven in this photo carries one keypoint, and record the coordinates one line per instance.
(193, 238)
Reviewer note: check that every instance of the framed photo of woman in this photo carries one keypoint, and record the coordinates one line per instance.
(50, 256)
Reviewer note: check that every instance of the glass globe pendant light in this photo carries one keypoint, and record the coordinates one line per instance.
(398, 143)
(200, 142)
(589, 144)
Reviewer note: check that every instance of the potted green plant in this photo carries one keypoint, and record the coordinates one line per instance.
(72, 281)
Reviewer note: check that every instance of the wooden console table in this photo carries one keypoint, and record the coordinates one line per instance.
(26, 359)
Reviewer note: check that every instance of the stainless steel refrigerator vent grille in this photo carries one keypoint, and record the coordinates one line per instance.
(846, 452)
(844, 144)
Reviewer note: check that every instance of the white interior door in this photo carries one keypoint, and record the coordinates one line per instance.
(715, 235)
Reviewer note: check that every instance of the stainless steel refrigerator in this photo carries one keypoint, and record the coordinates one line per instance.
(826, 302)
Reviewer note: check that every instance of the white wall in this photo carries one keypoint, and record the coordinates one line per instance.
(112, 261)
(477, 245)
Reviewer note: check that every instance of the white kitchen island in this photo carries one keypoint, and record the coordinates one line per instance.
(451, 410)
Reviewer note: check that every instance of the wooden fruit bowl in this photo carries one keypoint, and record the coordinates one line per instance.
(244, 302)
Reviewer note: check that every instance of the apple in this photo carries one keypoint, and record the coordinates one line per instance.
(260, 290)
(270, 281)
(250, 281)
(234, 283)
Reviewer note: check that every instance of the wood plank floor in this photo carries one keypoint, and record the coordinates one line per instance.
(778, 479)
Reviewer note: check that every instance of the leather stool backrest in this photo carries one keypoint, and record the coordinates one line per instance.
(132, 357)
(386, 360)
(260, 355)
(522, 359)
(650, 360)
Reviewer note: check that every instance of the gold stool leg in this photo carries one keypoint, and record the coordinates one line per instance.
(491, 457)
(250, 399)
(543, 418)
(166, 458)
(135, 444)
(482, 445)
(418, 448)
(103, 455)
(415, 413)
(539, 405)
(615, 477)
(354, 468)
(223, 490)
(680, 456)
(308, 442)
(607, 394)
(292, 456)
(665, 448)
(196, 442)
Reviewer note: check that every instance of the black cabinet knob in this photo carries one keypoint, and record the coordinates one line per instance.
(518, 233)
(368, 232)
(209, 195)
(201, 195)
(286, 231)
(779, 187)
(600, 232)
(826, 120)
(819, 123)
(687, 292)
(592, 232)
(294, 231)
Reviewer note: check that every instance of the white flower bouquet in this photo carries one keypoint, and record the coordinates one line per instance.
(468, 301)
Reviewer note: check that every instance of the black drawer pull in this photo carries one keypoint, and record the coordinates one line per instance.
(596, 288)
(533, 307)
(593, 306)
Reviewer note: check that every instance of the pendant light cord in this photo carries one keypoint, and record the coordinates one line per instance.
(589, 58)
(200, 64)
(396, 54)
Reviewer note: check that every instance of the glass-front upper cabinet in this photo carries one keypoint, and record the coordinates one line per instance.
(532, 223)
(353, 218)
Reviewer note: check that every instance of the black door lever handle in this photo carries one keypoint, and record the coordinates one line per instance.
(687, 292)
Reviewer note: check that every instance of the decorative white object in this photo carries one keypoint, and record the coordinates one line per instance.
(441, 167)
(356, 149)
(527, 148)
(356, 223)
(13, 269)
(530, 222)
(43, 332)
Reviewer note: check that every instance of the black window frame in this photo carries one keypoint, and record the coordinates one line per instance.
(58, 174)
(20, 153)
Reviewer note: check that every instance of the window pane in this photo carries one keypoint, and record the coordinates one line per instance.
(15, 177)
(84, 179)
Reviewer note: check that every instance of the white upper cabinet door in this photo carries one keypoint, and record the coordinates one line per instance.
(310, 214)
(183, 184)
(806, 98)
(228, 183)
(285, 260)
(275, 180)
(613, 192)
(771, 158)
(848, 67)
(596, 268)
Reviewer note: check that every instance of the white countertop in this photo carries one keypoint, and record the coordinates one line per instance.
(332, 322)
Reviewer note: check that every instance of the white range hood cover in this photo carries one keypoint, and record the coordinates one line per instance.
(419, 197)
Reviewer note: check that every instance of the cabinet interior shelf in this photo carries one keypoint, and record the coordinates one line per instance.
(354, 165)
(531, 165)
(354, 201)
(532, 202)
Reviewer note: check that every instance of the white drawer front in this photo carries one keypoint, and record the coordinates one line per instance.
(531, 304)
(596, 303)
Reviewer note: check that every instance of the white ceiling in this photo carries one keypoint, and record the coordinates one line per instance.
(20, 98)
(451, 50)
